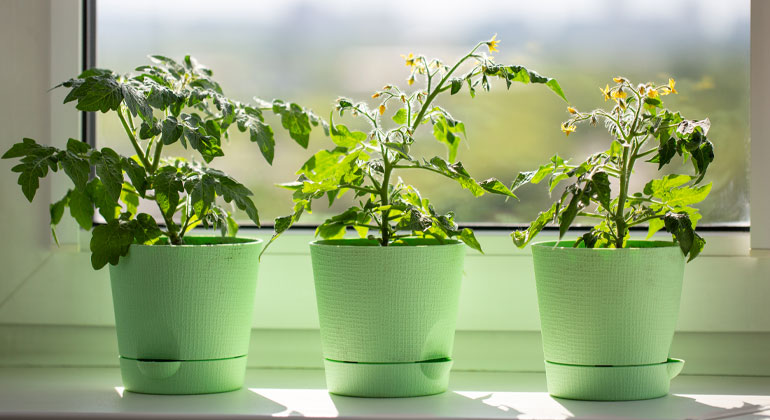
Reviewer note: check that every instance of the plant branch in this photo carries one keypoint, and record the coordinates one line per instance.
(137, 148)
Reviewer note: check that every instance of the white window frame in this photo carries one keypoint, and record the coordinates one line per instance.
(725, 289)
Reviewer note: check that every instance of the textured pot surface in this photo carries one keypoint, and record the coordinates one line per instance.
(608, 306)
(387, 304)
(192, 303)
(385, 308)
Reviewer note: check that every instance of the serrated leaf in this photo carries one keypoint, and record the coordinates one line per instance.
(56, 211)
(109, 242)
(136, 173)
(494, 186)
(109, 170)
(136, 102)
(294, 119)
(262, 134)
(167, 186)
(457, 84)
(601, 187)
(469, 239)
(400, 116)
(35, 162)
(77, 168)
(108, 208)
(654, 226)
(96, 93)
(522, 237)
(343, 137)
(144, 229)
(81, 208)
(171, 131)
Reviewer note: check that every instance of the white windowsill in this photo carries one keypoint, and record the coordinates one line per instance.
(96, 393)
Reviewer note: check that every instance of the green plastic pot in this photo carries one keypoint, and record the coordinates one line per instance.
(387, 314)
(183, 314)
(607, 318)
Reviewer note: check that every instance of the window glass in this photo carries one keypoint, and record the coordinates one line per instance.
(311, 52)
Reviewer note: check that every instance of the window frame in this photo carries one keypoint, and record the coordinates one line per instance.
(88, 135)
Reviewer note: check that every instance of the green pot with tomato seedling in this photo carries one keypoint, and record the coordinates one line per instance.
(183, 305)
(387, 301)
(609, 304)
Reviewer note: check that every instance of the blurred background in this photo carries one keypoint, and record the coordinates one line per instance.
(311, 52)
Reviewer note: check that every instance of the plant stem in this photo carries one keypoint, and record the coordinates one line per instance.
(156, 158)
(131, 137)
(436, 91)
(620, 221)
(385, 199)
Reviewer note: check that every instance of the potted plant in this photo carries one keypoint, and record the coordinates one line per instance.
(609, 304)
(183, 305)
(387, 301)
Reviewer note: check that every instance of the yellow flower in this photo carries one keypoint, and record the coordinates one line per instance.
(671, 84)
(409, 59)
(652, 93)
(410, 81)
(618, 79)
(568, 129)
(619, 94)
(382, 109)
(606, 92)
(571, 110)
(376, 95)
(492, 44)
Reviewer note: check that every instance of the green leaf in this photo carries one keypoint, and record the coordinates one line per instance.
(331, 230)
(81, 208)
(78, 147)
(147, 131)
(601, 187)
(568, 215)
(400, 116)
(343, 137)
(108, 208)
(522, 178)
(522, 237)
(494, 186)
(457, 84)
(136, 173)
(171, 131)
(233, 191)
(679, 225)
(144, 229)
(262, 134)
(77, 168)
(56, 211)
(136, 102)
(556, 88)
(109, 242)
(447, 131)
(96, 93)
(654, 226)
(469, 239)
(35, 162)
(130, 198)
(202, 191)
(109, 170)
(167, 186)
(294, 119)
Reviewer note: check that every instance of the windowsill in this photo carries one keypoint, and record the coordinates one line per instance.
(95, 392)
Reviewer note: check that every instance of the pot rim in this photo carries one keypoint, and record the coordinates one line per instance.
(568, 246)
(239, 241)
(347, 243)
